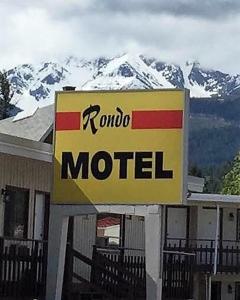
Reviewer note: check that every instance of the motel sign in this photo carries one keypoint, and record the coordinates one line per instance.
(120, 147)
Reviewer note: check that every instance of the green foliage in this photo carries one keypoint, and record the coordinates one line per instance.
(228, 109)
(213, 176)
(194, 170)
(231, 181)
(211, 147)
(5, 95)
(214, 137)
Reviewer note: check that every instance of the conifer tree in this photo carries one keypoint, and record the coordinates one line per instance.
(5, 95)
(231, 181)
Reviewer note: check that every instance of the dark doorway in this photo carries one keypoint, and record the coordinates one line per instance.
(237, 291)
(216, 290)
(16, 213)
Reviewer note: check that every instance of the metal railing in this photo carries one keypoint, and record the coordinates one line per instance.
(228, 253)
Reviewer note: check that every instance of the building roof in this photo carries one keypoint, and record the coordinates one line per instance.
(108, 222)
(195, 198)
(34, 127)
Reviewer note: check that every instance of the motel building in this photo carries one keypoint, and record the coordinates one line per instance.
(105, 251)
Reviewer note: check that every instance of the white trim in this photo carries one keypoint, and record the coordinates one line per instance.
(213, 198)
(216, 241)
(25, 148)
(179, 252)
(195, 184)
(46, 134)
(185, 140)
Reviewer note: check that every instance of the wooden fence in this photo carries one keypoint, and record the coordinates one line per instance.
(23, 265)
(178, 276)
(123, 276)
(133, 264)
(112, 275)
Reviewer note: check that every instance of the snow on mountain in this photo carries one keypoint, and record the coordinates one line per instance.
(126, 72)
(35, 85)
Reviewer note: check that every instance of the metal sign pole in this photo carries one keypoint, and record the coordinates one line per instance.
(216, 242)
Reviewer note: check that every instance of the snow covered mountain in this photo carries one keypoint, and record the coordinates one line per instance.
(35, 85)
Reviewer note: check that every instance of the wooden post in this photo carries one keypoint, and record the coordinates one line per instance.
(93, 271)
(1, 254)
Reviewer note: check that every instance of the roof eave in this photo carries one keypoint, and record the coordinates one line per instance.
(25, 148)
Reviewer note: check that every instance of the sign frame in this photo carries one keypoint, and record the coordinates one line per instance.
(185, 134)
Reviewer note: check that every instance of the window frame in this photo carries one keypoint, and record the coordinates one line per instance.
(46, 213)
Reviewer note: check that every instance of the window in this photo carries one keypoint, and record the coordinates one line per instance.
(16, 212)
(238, 225)
(109, 230)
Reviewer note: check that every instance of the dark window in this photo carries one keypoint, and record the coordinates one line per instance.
(16, 213)
(216, 290)
(49, 138)
(237, 291)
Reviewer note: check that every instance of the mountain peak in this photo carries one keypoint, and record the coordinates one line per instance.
(38, 83)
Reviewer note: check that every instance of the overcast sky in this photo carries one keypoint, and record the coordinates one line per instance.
(171, 30)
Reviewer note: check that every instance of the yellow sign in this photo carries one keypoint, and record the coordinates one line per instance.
(120, 147)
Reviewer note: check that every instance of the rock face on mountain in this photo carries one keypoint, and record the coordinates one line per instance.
(34, 85)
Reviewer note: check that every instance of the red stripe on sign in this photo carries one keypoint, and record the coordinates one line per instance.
(67, 120)
(157, 119)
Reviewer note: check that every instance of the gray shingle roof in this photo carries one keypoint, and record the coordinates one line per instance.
(33, 127)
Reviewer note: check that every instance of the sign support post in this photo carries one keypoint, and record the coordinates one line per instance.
(58, 228)
(154, 240)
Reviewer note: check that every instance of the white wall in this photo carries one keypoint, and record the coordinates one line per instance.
(39, 214)
(25, 173)
(207, 221)
(135, 234)
(226, 280)
(229, 226)
(84, 237)
(225, 294)
(113, 232)
(176, 222)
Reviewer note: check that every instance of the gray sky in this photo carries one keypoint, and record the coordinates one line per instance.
(171, 30)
